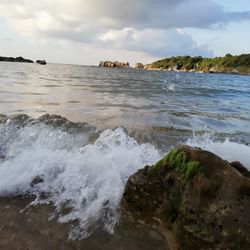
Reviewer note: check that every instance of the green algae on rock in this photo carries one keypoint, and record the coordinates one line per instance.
(178, 160)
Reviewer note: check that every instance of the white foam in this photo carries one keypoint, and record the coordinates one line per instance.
(88, 178)
(171, 87)
(228, 150)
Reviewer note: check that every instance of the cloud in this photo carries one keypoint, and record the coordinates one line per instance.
(153, 23)
(154, 41)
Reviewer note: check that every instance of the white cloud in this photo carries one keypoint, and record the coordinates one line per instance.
(155, 26)
(117, 14)
(154, 41)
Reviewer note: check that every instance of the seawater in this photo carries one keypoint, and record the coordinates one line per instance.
(123, 119)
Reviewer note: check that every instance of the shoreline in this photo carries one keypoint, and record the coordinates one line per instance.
(234, 65)
(196, 71)
(229, 64)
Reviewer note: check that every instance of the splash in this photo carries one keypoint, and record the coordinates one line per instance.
(171, 87)
(83, 181)
(228, 150)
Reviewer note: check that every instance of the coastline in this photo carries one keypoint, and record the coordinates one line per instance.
(229, 64)
(235, 65)
(198, 71)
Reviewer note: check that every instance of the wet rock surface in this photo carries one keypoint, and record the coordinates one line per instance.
(209, 211)
(27, 227)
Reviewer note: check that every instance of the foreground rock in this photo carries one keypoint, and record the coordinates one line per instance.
(194, 198)
(13, 59)
(115, 64)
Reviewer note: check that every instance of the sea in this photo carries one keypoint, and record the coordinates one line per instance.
(77, 133)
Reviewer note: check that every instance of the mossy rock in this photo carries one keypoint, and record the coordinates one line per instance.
(202, 199)
(177, 160)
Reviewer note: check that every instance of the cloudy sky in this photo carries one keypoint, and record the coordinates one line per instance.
(85, 32)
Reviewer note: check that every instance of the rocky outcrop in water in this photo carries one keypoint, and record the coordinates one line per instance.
(139, 66)
(13, 59)
(42, 62)
(194, 198)
(115, 64)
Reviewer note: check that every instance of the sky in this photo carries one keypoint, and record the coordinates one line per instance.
(86, 32)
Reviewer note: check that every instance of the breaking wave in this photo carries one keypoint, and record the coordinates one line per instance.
(80, 171)
(84, 181)
(226, 149)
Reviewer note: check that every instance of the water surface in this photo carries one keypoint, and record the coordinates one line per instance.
(113, 122)
(125, 97)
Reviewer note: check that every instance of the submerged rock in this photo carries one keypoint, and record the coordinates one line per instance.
(2, 118)
(20, 120)
(196, 197)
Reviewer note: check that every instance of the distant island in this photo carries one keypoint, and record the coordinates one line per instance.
(227, 64)
(15, 59)
(21, 60)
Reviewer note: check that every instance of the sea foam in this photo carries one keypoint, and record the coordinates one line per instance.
(83, 181)
(87, 179)
(226, 149)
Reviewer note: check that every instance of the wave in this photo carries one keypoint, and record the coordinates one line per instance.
(226, 149)
(84, 181)
(81, 171)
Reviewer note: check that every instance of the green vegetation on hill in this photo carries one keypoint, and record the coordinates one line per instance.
(227, 64)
